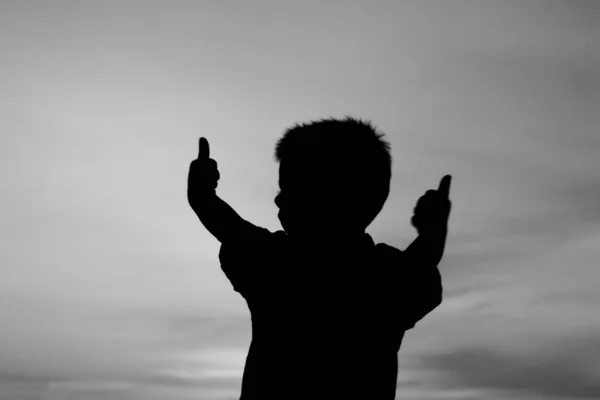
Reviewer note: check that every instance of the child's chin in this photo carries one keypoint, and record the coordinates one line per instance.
(290, 227)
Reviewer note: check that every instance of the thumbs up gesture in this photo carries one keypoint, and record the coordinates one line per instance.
(433, 209)
(203, 175)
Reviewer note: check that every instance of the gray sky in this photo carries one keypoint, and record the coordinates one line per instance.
(111, 289)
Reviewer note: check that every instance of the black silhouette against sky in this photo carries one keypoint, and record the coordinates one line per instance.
(329, 307)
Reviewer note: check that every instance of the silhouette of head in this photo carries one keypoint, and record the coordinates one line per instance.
(334, 177)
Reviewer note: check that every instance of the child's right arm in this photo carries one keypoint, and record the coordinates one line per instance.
(217, 216)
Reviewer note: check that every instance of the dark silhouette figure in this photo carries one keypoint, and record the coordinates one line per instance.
(329, 307)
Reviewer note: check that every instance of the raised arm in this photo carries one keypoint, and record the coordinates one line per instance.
(425, 253)
(215, 214)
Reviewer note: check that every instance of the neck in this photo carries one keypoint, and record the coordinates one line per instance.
(331, 240)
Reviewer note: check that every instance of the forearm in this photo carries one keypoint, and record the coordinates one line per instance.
(222, 221)
(424, 291)
(428, 248)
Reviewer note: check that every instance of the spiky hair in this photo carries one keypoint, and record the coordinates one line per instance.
(352, 147)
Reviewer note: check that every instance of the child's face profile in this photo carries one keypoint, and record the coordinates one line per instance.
(307, 202)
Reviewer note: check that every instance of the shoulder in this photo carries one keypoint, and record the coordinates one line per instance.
(249, 233)
(390, 259)
(251, 240)
(246, 258)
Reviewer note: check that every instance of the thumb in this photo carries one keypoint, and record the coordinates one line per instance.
(444, 188)
(203, 149)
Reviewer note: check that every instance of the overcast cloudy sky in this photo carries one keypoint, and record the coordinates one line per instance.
(111, 289)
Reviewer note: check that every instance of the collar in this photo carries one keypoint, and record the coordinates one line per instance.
(333, 243)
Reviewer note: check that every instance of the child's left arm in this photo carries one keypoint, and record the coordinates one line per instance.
(431, 221)
(425, 252)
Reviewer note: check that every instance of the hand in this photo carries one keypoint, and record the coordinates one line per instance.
(203, 175)
(433, 209)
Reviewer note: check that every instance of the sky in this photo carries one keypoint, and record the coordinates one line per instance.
(111, 289)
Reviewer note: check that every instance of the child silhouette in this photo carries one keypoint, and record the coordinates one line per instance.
(329, 307)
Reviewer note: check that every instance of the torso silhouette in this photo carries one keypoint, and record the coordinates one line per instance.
(326, 325)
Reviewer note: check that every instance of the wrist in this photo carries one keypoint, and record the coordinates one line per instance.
(202, 198)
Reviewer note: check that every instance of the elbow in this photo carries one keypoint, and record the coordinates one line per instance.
(435, 299)
(439, 297)
(438, 301)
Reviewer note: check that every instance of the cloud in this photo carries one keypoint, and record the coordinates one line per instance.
(215, 368)
(95, 386)
(155, 387)
(568, 368)
(24, 386)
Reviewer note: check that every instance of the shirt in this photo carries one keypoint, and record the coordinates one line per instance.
(326, 324)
